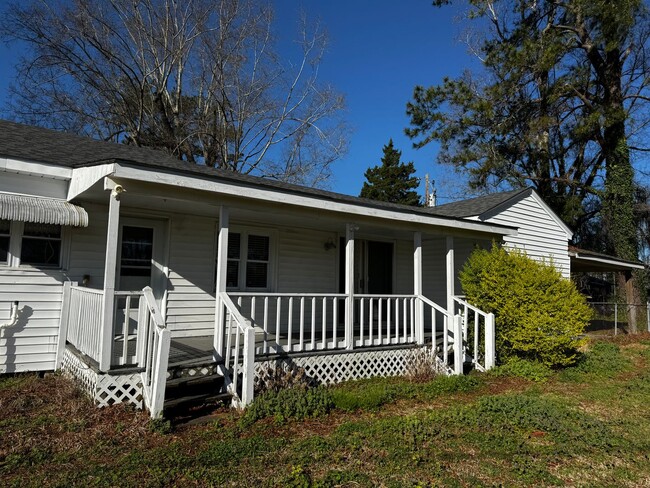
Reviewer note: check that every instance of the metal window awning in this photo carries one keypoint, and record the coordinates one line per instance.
(42, 210)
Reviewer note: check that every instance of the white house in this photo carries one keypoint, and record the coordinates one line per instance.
(133, 270)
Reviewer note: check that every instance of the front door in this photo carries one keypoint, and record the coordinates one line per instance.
(140, 263)
(378, 268)
(141, 256)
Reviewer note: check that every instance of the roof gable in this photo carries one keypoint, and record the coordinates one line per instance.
(488, 206)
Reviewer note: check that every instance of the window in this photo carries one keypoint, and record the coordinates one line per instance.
(249, 260)
(137, 251)
(257, 262)
(5, 231)
(41, 245)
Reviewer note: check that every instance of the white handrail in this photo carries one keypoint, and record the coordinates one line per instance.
(241, 327)
(483, 323)
(154, 342)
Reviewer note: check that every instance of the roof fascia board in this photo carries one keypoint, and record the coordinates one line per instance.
(32, 167)
(265, 194)
(497, 209)
(85, 177)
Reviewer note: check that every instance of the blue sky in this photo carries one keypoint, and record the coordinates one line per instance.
(379, 50)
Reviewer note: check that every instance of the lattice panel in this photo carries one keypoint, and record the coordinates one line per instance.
(104, 389)
(75, 368)
(112, 390)
(329, 369)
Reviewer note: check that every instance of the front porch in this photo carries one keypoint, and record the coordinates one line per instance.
(292, 330)
(307, 289)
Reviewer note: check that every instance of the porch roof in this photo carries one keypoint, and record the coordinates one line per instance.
(150, 165)
(590, 261)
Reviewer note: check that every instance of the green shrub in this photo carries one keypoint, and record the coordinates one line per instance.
(539, 314)
(292, 403)
(522, 368)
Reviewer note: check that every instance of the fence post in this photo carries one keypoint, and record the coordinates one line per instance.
(248, 377)
(647, 314)
(616, 319)
(458, 344)
(490, 342)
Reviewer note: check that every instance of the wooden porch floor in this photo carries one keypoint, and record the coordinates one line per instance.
(187, 350)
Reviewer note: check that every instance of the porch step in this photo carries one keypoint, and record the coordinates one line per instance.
(196, 400)
(193, 388)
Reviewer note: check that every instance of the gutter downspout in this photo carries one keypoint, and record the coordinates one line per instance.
(13, 317)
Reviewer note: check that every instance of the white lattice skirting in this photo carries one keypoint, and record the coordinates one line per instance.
(104, 389)
(334, 368)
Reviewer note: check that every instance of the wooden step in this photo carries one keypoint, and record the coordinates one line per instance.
(185, 381)
(193, 400)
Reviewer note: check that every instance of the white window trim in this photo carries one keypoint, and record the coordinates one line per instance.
(16, 230)
(244, 232)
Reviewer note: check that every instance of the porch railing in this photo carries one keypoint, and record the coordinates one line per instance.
(304, 322)
(84, 324)
(84, 321)
(154, 342)
(125, 328)
(239, 353)
(478, 332)
(295, 322)
(384, 319)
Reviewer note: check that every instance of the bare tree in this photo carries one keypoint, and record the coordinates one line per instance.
(197, 78)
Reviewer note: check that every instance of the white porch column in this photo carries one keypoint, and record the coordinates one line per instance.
(417, 287)
(110, 267)
(450, 270)
(349, 285)
(222, 266)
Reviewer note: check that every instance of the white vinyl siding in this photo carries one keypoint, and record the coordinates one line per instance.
(539, 234)
(30, 345)
(304, 265)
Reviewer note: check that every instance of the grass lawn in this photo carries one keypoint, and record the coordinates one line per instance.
(585, 426)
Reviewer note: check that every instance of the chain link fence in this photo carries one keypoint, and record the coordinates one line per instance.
(614, 318)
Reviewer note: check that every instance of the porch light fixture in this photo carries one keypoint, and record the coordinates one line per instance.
(329, 244)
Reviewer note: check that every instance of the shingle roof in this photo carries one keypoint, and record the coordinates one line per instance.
(476, 206)
(48, 146)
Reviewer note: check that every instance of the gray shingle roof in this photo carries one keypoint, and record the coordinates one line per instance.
(476, 206)
(48, 146)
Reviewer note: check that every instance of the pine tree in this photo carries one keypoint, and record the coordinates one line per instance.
(392, 181)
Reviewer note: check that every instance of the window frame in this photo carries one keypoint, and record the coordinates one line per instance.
(244, 232)
(14, 258)
(8, 236)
